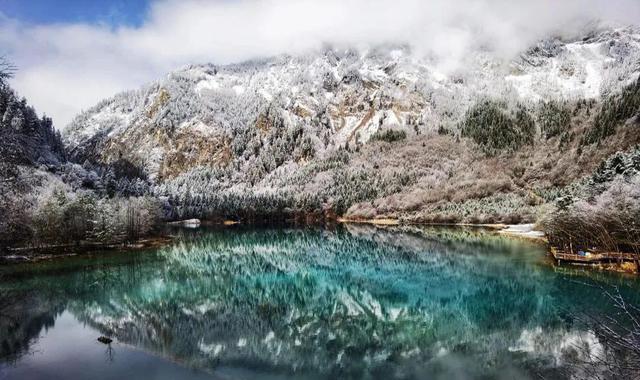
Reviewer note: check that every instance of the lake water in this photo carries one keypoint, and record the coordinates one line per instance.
(356, 302)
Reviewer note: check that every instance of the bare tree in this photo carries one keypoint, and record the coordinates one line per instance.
(7, 69)
(619, 334)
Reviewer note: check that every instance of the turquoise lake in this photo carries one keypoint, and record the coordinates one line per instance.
(355, 302)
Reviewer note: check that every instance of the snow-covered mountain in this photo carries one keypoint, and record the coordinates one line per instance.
(347, 95)
(258, 122)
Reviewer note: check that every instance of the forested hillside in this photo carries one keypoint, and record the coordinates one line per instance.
(47, 200)
(26, 138)
(27, 142)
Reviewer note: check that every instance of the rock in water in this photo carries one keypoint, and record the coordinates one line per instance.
(105, 340)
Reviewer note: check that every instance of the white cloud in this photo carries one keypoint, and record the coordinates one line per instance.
(65, 68)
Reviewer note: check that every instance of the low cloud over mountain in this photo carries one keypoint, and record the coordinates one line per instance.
(65, 68)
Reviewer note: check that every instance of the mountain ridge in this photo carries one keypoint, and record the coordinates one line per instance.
(271, 126)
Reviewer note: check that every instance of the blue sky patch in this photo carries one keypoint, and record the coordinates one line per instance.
(110, 12)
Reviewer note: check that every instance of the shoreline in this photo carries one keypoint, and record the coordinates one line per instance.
(517, 231)
(50, 252)
(44, 253)
(525, 231)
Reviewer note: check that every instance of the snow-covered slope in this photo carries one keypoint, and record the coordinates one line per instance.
(232, 116)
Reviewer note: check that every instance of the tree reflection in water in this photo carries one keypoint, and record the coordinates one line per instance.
(354, 302)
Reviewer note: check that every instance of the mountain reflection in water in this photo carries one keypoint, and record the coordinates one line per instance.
(356, 302)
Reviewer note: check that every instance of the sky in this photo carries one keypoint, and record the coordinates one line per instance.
(71, 54)
(110, 12)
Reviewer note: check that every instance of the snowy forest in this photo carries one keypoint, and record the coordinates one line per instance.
(47, 200)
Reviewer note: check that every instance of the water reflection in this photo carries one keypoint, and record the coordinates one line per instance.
(358, 302)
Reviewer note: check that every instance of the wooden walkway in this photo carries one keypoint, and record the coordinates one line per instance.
(592, 258)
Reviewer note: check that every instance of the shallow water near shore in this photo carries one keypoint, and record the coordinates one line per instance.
(359, 302)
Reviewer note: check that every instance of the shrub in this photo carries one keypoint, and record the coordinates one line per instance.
(389, 135)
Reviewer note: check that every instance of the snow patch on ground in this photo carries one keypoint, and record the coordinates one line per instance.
(524, 230)
(524, 86)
